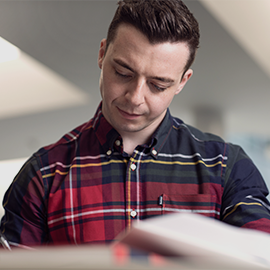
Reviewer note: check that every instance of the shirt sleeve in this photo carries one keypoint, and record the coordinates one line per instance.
(244, 202)
(24, 222)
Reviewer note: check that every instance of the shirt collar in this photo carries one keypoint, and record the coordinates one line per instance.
(105, 133)
(161, 134)
(110, 139)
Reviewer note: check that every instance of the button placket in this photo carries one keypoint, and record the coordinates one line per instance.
(132, 189)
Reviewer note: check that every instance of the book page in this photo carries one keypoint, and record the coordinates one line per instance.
(193, 235)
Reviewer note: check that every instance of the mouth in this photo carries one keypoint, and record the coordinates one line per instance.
(128, 115)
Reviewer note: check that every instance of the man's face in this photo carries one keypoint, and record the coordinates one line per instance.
(139, 80)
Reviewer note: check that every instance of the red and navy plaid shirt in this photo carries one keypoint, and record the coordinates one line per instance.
(85, 189)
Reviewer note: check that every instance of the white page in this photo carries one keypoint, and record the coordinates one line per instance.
(201, 237)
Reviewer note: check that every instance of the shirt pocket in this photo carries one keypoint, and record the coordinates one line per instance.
(205, 204)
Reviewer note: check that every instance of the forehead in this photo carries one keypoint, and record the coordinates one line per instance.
(133, 47)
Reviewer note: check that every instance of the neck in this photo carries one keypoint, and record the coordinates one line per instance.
(131, 139)
(131, 142)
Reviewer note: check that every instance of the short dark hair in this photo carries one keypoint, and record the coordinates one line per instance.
(160, 21)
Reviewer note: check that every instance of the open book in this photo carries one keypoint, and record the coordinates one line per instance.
(200, 238)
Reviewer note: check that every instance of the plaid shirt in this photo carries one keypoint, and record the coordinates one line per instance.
(85, 189)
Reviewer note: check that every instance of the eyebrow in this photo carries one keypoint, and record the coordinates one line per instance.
(123, 64)
(166, 80)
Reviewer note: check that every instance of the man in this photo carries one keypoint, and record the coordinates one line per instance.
(133, 160)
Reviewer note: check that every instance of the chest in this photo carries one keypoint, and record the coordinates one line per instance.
(95, 201)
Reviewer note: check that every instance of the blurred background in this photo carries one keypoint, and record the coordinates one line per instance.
(49, 74)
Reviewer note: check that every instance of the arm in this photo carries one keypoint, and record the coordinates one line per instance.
(24, 222)
(244, 197)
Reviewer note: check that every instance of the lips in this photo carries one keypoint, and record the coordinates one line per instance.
(128, 115)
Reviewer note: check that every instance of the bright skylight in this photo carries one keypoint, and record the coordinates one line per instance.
(27, 86)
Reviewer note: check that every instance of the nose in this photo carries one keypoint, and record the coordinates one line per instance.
(136, 92)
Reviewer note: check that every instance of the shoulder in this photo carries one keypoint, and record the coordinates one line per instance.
(193, 132)
(65, 148)
(193, 138)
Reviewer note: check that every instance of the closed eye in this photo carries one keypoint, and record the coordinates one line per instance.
(122, 75)
(161, 89)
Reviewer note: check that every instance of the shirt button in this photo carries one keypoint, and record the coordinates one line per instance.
(133, 167)
(109, 152)
(154, 152)
(133, 213)
(117, 143)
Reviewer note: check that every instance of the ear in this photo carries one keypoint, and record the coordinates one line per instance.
(184, 80)
(101, 53)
